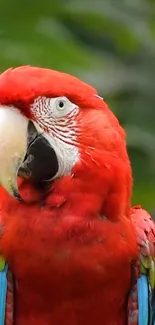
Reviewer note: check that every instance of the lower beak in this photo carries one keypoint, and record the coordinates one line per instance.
(24, 151)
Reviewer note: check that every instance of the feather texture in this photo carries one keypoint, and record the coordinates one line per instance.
(3, 293)
(143, 299)
(6, 296)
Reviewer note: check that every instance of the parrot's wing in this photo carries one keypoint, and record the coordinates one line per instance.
(6, 291)
(141, 303)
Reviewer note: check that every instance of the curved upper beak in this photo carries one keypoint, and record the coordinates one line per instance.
(24, 151)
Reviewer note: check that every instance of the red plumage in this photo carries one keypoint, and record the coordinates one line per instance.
(72, 250)
(71, 266)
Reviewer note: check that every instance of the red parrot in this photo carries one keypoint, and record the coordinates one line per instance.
(78, 252)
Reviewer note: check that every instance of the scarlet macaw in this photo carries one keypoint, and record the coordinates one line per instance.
(78, 252)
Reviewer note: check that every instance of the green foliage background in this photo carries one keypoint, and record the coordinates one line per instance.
(108, 43)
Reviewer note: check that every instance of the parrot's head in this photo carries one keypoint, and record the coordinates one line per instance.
(55, 129)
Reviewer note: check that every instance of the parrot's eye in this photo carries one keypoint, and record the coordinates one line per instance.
(61, 106)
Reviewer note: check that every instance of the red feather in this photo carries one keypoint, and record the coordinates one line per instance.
(71, 265)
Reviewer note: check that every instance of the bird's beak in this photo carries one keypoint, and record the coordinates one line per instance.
(24, 151)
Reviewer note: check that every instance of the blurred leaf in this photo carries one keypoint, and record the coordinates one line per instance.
(144, 141)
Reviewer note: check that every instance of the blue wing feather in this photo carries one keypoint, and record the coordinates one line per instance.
(141, 302)
(3, 292)
(143, 299)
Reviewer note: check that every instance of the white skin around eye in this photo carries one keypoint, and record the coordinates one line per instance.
(57, 117)
(61, 106)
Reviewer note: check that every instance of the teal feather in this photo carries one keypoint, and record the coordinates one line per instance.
(143, 299)
(3, 292)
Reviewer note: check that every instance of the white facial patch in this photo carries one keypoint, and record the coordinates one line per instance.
(56, 116)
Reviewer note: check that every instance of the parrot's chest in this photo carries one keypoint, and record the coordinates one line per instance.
(80, 270)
